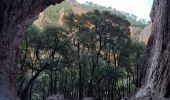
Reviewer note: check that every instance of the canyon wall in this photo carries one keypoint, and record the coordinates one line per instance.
(155, 70)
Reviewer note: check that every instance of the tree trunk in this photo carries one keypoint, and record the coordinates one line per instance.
(51, 83)
(25, 91)
(80, 74)
(157, 56)
(15, 17)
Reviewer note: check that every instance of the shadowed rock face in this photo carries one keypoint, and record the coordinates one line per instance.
(15, 17)
(156, 63)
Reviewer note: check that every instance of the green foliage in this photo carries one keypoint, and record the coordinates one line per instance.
(90, 6)
(53, 12)
(34, 35)
(93, 53)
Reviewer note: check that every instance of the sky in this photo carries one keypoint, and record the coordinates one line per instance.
(140, 8)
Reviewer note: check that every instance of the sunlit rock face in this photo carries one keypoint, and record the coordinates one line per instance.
(155, 70)
(42, 20)
(141, 34)
(135, 32)
(145, 34)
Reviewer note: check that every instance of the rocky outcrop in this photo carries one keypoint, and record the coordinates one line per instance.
(141, 34)
(135, 32)
(88, 98)
(145, 34)
(155, 70)
(42, 20)
(56, 97)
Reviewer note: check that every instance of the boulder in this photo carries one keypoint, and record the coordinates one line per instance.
(56, 97)
(88, 98)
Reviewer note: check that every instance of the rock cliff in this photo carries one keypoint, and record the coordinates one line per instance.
(145, 34)
(156, 64)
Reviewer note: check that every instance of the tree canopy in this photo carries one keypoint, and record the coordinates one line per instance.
(91, 55)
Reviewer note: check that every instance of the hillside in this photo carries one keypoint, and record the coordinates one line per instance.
(55, 14)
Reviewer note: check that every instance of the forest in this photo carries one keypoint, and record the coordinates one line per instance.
(90, 55)
(64, 50)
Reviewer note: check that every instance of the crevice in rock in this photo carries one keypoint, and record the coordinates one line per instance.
(167, 94)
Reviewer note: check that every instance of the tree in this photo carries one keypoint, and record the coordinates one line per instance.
(101, 39)
(93, 51)
(16, 17)
(41, 50)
